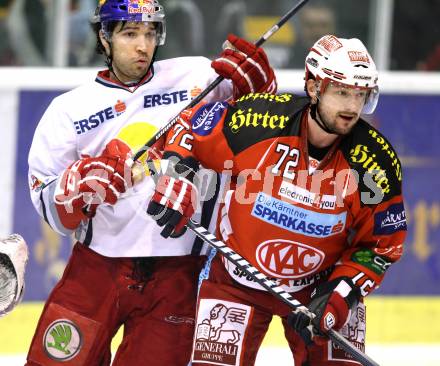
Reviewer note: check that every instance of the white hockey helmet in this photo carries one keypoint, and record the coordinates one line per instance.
(13, 260)
(346, 62)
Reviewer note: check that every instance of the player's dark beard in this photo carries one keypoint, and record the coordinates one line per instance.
(320, 120)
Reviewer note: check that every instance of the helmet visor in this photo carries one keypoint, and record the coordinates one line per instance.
(367, 97)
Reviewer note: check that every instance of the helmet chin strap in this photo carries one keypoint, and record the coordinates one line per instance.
(314, 112)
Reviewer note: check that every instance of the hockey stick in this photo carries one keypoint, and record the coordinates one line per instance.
(217, 81)
(274, 289)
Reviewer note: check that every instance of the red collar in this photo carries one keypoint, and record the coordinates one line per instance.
(105, 79)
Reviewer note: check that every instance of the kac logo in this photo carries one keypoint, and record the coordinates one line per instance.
(288, 259)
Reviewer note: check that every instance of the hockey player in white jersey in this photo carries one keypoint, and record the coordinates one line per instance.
(121, 271)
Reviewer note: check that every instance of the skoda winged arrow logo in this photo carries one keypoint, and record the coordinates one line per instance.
(62, 340)
(62, 335)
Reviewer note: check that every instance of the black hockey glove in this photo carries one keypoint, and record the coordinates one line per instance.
(175, 197)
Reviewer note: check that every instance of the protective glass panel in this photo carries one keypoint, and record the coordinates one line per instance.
(416, 36)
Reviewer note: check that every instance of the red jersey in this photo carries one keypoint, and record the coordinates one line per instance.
(292, 216)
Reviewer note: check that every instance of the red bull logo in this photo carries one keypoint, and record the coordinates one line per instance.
(141, 7)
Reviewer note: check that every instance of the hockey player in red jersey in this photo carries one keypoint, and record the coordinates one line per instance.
(121, 271)
(315, 202)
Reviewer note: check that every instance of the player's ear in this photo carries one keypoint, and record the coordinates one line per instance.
(104, 42)
(312, 90)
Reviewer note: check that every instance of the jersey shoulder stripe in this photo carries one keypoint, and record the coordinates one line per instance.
(261, 116)
(369, 153)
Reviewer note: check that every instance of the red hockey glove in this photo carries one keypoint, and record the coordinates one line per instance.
(175, 199)
(331, 303)
(247, 66)
(92, 181)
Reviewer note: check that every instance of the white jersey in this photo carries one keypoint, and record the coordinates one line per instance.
(81, 122)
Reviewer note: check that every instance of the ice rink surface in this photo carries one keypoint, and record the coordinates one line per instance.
(390, 355)
(394, 341)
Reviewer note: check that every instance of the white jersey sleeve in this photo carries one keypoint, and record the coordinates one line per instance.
(53, 149)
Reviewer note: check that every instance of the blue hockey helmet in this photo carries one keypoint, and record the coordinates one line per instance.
(131, 11)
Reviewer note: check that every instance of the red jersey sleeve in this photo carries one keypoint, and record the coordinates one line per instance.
(379, 226)
(199, 134)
